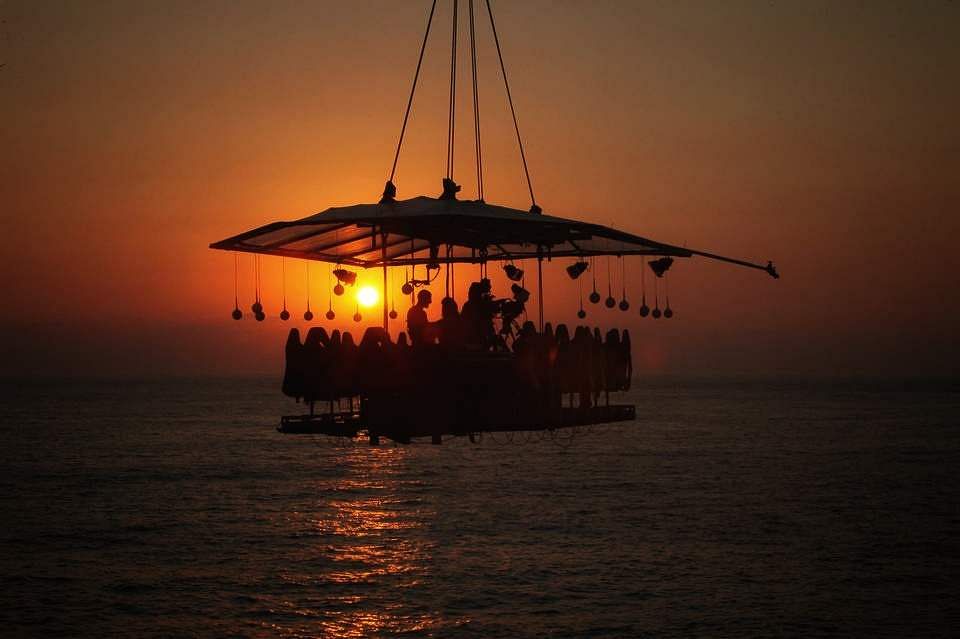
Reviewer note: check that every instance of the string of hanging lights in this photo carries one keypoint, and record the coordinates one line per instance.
(257, 306)
(308, 314)
(237, 314)
(624, 304)
(330, 314)
(284, 314)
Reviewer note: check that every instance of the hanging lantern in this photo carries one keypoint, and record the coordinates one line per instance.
(330, 314)
(610, 302)
(581, 313)
(256, 307)
(644, 309)
(624, 305)
(236, 314)
(284, 314)
(357, 317)
(260, 316)
(393, 314)
(407, 289)
(338, 289)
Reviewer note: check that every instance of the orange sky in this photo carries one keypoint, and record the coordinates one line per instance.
(823, 136)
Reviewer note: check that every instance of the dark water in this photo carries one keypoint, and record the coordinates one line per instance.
(174, 509)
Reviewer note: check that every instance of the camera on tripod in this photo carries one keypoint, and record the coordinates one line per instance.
(509, 309)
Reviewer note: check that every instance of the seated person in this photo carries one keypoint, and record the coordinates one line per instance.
(418, 326)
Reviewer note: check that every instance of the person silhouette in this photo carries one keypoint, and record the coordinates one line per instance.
(418, 326)
(450, 326)
(477, 316)
(293, 373)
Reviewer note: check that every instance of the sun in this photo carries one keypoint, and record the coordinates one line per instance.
(367, 296)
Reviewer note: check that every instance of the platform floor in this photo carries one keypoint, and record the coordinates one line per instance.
(350, 424)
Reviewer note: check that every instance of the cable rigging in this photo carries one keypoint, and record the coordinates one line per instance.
(390, 190)
(533, 200)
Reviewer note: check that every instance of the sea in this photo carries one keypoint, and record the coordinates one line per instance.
(732, 508)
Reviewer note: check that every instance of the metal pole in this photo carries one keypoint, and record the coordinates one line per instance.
(383, 255)
(540, 287)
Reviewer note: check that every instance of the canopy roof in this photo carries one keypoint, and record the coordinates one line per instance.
(402, 232)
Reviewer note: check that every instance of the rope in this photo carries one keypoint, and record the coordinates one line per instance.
(308, 285)
(643, 277)
(256, 276)
(623, 276)
(236, 280)
(283, 276)
(452, 117)
(609, 279)
(413, 89)
(540, 289)
(329, 288)
(593, 271)
(506, 84)
(446, 284)
(476, 106)
(393, 298)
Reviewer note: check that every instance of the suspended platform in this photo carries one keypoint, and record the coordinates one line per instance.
(460, 385)
(353, 424)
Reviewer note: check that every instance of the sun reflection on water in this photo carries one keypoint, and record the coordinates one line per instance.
(365, 543)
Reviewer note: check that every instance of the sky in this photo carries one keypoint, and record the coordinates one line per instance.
(821, 135)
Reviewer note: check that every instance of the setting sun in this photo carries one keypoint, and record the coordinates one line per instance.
(367, 296)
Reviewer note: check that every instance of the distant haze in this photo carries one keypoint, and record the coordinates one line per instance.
(821, 135)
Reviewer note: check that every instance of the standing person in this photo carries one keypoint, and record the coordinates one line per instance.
(418, 326)
(450, 327)
(477, 316)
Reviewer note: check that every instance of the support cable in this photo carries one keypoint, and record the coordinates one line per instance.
(476, 105)
(533, 208)
(452, 117)
(413, 89)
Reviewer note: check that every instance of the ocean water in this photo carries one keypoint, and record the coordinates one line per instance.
(174, 509)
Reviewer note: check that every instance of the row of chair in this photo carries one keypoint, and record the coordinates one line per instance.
(330, 367)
